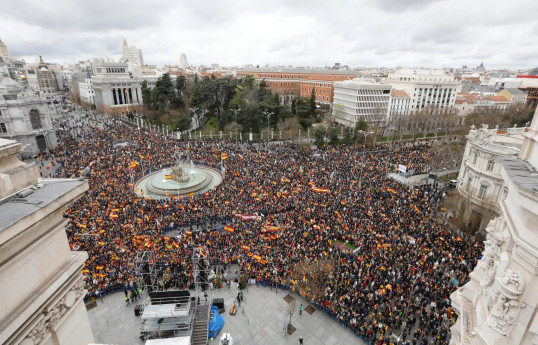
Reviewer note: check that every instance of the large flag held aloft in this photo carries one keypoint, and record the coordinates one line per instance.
(229, 229)
(320, 190)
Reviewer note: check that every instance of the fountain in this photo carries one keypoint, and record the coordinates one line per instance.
(181, 179)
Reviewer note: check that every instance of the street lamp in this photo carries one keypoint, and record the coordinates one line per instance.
(268, 114)
(235, 114)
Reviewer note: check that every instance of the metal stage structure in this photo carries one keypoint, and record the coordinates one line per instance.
(175, 313)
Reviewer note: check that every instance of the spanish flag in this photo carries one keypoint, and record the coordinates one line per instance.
(99, 267)
(224, 156)
(168, 177)
(229, 229)
(133, 164)
(245, 247)
(321, 190)
(271, 228)
(101, 243)
(85, 271)
(176, 245)
(188, 232)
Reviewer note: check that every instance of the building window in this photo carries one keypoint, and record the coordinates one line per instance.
(482, 191)
(491, 163)
(475, 158)
(34, 119)
(3, 128)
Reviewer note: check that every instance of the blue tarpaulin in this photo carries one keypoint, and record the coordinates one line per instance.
(216, 322)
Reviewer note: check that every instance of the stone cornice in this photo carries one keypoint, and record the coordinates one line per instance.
(48, 297)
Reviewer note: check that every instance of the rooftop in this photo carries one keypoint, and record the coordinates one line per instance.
(399, 93)
(13, 209)
(521, 172)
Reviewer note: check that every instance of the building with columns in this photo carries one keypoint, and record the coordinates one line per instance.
(26, 118)
(41, 284)
(479, 181)
(498, 306)
(116, 91)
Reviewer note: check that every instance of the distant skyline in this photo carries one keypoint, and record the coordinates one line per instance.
(380, 33)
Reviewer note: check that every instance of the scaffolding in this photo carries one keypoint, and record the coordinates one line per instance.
(202, 275)
(146, 270)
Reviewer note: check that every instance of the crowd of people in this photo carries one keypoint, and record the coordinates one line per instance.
(394, 276)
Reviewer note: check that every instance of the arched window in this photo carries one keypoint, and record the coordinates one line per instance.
(34, 119)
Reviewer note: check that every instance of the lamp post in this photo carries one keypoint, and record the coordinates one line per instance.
(235, 114)
(268, 114)
(366, 134)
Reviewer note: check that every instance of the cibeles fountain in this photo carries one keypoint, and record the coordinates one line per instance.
(182, 179)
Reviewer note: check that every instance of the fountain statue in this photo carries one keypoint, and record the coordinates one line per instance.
(179, 174)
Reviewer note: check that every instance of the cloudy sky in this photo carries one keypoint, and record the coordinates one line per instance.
(390, 33)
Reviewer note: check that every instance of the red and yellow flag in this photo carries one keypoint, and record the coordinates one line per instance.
(168, 177)
(229, 229)
(321, 190)
(224, 156)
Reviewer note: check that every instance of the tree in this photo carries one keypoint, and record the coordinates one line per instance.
(313, 277)
(312, 102)
(180, 85)
(146, 94)
(290, 310)
(319, 136)
(333, 136)
(361, 125)
(182, 122)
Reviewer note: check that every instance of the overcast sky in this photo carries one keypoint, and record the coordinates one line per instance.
(375, 33)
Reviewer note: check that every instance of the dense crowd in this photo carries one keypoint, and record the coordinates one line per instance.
(397, 281)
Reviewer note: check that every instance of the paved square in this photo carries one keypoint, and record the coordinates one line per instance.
(263, 323)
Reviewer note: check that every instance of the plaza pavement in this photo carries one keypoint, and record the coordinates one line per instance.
(113, 322)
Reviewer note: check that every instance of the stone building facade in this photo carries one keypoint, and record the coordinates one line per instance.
(479, 181)
(498, 306)
(25, 117)
(116, 92)
(41, 286)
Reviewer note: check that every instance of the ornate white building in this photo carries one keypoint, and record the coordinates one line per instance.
(498, 306)
(480, 181)
(116, 91)
(25, 117)
(41, 286)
